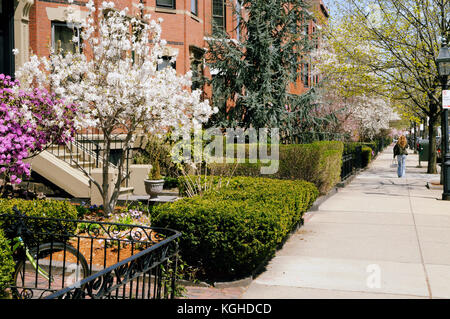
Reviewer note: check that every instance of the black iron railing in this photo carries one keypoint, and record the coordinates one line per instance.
(63, 258)
(87, 151)
(347, 166)
(310, 137)
(351, 163)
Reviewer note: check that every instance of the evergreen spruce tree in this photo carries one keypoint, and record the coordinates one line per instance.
(252, 75)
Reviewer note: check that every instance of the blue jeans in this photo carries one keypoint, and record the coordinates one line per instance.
(401, 167)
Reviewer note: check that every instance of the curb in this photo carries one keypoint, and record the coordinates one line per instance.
(234, 284)
(319, 201)
(187, 283)
(219, 285)
(432, 186)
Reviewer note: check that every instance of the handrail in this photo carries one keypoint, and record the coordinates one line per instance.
(86, 149)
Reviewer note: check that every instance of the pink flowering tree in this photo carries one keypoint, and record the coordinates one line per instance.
(30, 121)
(118, 86)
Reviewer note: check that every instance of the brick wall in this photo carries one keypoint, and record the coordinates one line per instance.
(180, 28)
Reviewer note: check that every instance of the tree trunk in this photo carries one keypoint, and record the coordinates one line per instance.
(432, 156)
(415, 137)
(105, 182)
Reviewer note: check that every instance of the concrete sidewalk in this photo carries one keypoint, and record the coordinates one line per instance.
(379, 237)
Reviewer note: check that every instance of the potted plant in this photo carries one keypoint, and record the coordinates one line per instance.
(154, 183)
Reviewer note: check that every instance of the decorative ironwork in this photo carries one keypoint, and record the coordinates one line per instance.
(351, 162)
(149, 274)
(89, 259)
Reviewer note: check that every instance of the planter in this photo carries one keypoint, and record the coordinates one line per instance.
(154, 187)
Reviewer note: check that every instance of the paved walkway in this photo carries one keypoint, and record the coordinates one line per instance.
(379, 237)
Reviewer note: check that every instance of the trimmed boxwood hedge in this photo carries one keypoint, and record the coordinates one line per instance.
(39, 208)
(230, 232)
(6, 263)
(368, 150)
(319, 163)
(366, 155)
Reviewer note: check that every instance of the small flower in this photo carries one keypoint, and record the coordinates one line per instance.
(15, 51)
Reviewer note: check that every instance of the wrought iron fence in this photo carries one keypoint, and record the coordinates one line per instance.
(61, 258)
(351, 162)
(310, 137)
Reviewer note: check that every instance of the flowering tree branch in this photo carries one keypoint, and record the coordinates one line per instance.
(116, 84)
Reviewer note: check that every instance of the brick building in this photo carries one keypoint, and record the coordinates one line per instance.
(36, 25)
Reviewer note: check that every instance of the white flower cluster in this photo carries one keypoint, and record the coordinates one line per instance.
(372, 115)
(115, 81)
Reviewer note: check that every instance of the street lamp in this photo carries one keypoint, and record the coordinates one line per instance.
(443, 64)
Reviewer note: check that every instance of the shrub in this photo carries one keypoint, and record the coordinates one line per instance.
(39, 208)
(231, 231)
(157, 151)
(6, 263)
(366, 155)
(319, 163)
(350, 147)
(170, 182)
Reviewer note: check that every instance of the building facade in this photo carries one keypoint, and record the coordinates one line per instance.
(35, 26)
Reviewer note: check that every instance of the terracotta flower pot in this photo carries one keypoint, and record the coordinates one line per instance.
(154, 187)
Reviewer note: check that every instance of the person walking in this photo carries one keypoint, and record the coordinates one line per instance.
(401, 153)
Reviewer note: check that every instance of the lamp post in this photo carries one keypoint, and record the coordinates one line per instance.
(443, 64)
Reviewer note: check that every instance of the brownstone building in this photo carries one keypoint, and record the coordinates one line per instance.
(37, 25)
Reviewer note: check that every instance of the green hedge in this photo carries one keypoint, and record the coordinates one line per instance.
(40, 208)
(368, 149)
(6, 263)
(366, 155)
(319, 163)
(230, 232)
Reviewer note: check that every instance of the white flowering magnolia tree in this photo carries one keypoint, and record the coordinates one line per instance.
(352, 92)
(116, 85)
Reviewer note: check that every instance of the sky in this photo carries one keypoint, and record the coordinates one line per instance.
(331, 5)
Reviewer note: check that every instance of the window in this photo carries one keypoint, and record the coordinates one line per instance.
(63, 36)
(166, 3)
(196, 57)
(305, 75)
(165, 63)
(305, 26)
(194, 7)
(218, 14)
(7, 38)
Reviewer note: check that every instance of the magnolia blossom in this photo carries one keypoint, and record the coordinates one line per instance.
(372, 115)
(120, 82)
(347, 92)
(117, 85)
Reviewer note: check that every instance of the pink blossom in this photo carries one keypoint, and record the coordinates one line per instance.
(28, 122)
